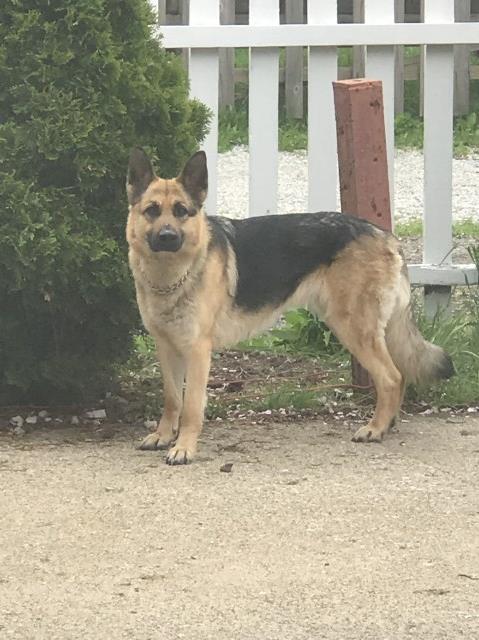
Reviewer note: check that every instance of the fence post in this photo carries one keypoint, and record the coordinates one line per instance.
(363, 161)
(461, 62)
(227, 58)
(294, 64)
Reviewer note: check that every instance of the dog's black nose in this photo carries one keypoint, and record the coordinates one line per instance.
(167, 239)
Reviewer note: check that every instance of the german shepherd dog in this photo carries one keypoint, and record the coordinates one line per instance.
(209, 282)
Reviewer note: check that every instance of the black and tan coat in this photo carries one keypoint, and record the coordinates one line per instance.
(205, 283)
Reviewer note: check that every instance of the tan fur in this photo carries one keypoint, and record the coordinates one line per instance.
(363, 296)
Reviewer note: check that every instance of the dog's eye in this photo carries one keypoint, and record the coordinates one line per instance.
(153, 211)
(180, 211)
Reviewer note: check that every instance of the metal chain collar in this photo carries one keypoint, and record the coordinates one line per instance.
(163, 291)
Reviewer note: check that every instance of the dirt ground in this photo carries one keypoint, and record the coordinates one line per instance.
(308, 536)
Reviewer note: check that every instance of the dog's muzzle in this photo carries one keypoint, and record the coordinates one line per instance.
(167, 239)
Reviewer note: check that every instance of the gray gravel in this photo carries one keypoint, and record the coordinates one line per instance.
(293, 184)
(310, 536)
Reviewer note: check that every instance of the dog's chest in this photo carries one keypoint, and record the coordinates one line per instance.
(172, 316)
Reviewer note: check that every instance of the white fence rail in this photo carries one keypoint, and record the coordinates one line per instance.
(322, 35)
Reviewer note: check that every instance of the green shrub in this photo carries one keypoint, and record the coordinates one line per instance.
(81, 82)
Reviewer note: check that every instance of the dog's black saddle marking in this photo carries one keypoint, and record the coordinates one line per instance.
(274, 253)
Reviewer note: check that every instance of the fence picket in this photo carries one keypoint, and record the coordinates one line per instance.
(203, 73)
(227, 58)
(438, 122)
(294, 64)
(322, 148)
(263, 115)
(380, 65)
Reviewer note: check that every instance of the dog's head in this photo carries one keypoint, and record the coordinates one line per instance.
(166, 216)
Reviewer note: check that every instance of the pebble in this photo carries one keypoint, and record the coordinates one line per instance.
(96, 414)
(293, 184)
(17, 421)
(75, 420)
(43, 414)
(19, 431)
(31, 420)
(150, 424)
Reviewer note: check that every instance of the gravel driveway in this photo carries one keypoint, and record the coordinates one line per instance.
(293, 184)
(310, 536)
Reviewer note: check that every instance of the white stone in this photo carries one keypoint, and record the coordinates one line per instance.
(150, 424)
(31, 420)
(293, 184)
(96, 414)
(43, 414)
(75, 420)
(17, 421)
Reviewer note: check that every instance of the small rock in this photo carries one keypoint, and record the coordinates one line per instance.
(75, 420)
(426, 412)
(17, 421)
(150, 424)
(47, 419)
(19, 431)
(43, 414)
(227, 467)
(96, 414)
(31, 420)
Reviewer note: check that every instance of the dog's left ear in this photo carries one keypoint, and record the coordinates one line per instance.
(194, 177)
(140, 174)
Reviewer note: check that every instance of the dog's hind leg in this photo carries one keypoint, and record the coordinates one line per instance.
(173, 371)
(370, 349)
(191, 423)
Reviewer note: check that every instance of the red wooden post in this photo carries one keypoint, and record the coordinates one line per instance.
(363, 164)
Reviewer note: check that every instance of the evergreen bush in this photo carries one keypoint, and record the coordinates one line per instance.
(81, 82)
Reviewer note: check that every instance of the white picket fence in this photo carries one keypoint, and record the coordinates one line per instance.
(322, 35)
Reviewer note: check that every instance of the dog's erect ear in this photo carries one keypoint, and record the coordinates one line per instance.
(140, 174)
(194, 177)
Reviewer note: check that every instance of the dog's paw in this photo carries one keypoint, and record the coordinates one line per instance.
(180, 455)
(368, 434)
(154, 441)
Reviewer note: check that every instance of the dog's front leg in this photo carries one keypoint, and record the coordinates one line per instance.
(172, 365)
(191, 422)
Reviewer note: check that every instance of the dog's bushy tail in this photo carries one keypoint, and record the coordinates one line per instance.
(418, 360)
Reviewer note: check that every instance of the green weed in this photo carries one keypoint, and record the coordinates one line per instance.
(413, 228)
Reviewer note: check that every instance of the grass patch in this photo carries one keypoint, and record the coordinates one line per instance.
(460, 229)
(409, 229)
(293, 134)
